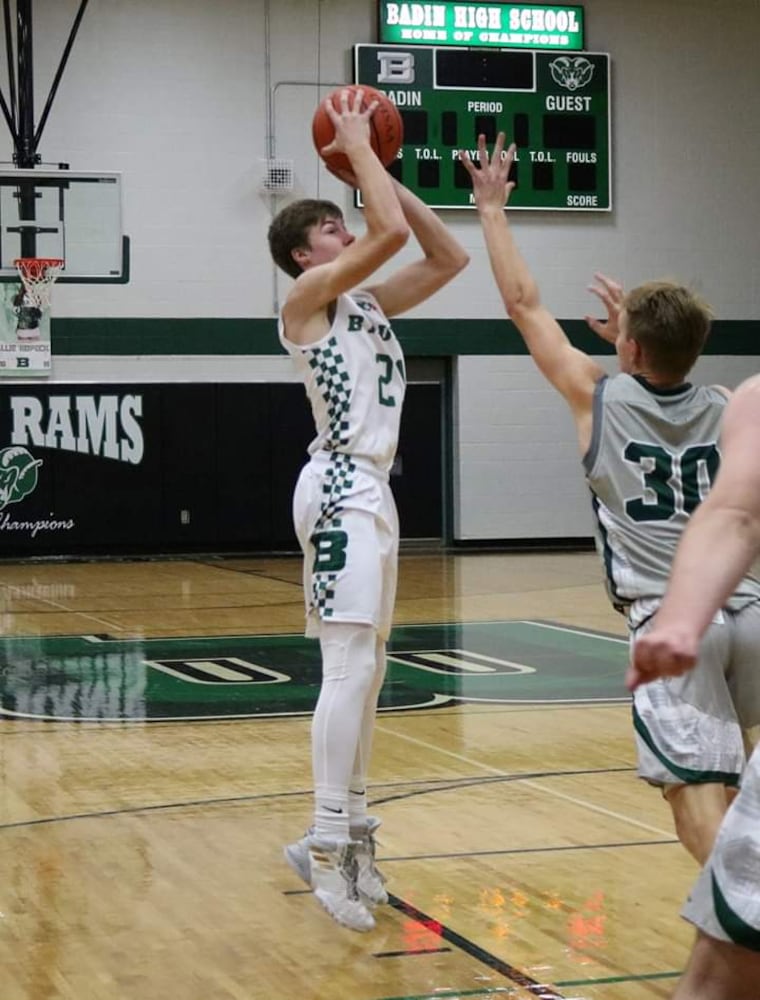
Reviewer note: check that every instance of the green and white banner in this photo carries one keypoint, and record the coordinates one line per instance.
(24, 334)
(494, 25)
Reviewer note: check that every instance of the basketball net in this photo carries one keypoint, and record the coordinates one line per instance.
(38, 275)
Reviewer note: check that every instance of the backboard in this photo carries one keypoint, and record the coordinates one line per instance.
(75, 216)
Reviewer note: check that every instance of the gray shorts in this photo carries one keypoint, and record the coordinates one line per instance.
(346, 521)
(689, 728)
(725, 902)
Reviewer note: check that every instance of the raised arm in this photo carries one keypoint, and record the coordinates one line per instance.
(386, 228)
(443, 258)
(573, 373)
(716, 550)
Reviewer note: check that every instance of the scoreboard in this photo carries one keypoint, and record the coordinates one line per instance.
(555, 106)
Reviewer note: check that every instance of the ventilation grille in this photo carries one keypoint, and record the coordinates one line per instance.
(277, 176)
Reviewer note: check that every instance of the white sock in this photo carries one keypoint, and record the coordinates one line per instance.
(348, 668)
(357, 797)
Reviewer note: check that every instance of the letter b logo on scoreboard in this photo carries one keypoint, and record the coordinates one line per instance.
(395, 67)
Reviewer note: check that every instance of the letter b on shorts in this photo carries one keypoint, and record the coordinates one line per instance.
(329, 551)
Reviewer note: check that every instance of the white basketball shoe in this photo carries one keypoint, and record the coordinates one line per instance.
(370, 880)
(331, 868)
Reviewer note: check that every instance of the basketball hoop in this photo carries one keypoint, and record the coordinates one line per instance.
(38, 275)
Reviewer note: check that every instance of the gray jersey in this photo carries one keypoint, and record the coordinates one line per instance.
(652, 459)
(355, 381)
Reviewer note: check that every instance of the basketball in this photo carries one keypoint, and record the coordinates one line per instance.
(385, 127)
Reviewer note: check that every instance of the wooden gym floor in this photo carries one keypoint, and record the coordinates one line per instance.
(155, 758)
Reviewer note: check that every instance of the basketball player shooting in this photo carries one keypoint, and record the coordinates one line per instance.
(335, 325)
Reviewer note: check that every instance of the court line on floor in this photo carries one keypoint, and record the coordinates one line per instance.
(554, 849)
(443, 784)
(583, 803)
(389, 859)
(575, 631)
(54, 609)
(38, 724)
(410, 952)
(540, 990)
(448, 623)
(609, 980)
(495, 991)
(451, 994)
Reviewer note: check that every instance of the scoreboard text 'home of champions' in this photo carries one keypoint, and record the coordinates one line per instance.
(555, 105)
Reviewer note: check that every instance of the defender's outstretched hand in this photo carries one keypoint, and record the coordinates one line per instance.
(489, 179)
(611, 294)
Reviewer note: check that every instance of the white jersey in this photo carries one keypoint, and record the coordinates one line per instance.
(355, 381)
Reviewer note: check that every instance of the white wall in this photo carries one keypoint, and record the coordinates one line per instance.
(174, 93)
(518, 463)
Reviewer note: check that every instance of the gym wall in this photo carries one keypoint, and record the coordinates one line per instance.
(188, 100)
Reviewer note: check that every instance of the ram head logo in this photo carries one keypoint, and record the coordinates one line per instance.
(571, 73)
(18, 475)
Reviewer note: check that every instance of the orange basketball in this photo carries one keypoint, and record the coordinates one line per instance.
(385, 127)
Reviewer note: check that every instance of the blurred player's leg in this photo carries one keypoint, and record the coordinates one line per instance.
(720, 971)
(698, 811)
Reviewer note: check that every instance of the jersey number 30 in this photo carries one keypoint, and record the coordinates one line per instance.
(672, 482)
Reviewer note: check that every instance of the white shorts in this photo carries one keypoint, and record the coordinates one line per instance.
(347, 525)
(689, 728)
(725, 902)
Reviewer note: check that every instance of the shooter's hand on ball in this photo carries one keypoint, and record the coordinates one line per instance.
(351, 124)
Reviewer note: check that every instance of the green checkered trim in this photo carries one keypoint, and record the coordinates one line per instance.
(323, 593)
(338, 481)
(333, 382)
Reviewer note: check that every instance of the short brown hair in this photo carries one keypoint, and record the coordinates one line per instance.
(670, 323)
(289, 230)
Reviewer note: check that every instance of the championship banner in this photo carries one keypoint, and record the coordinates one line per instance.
(24, 333)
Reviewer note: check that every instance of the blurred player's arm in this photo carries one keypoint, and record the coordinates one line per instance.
(716, 550)
(443, 258)
(573, 373)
